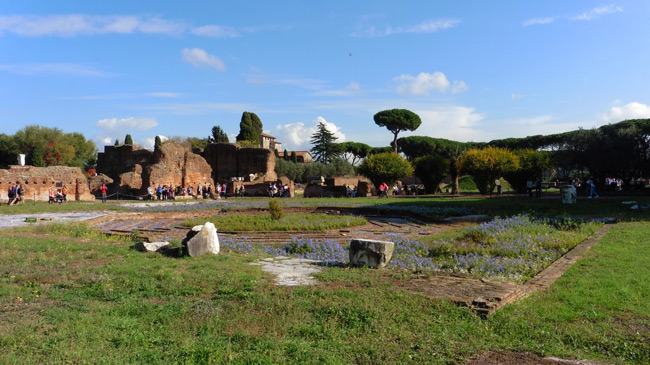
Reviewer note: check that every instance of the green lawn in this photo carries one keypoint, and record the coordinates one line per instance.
(289, 222)
(84, 299)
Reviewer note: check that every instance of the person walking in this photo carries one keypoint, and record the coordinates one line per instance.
(592, 189)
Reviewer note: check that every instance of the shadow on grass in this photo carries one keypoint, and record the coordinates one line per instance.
(174, 252)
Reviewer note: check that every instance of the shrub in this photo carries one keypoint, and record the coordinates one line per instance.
(385, 167)
(275, 208)
(488, 164)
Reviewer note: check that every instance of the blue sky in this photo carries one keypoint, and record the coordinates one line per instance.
(472, 70)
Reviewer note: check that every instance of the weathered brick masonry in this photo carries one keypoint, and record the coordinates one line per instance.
(37, 180)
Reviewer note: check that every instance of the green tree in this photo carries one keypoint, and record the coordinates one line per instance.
(128, 140)
(45, 146)
(157, 143)
(250, 128)
(488, 164)
(325, 147)
(377, 150)
(301, 173)
(85, 151)
(117, 142)
(355, 151)
(386, 167)
(531, 165)
(8, 150)
(218, 135)
(285, 155)
(294, 157)
(431, 170)
(277, 154)
(397, 120)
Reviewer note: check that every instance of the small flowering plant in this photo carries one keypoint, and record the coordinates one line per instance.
(513, 248)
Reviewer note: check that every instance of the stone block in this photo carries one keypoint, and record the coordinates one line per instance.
(371, 253)
(150, 246)
(200, 240)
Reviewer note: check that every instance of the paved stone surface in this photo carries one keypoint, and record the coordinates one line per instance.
(18, 220)
(290, 271)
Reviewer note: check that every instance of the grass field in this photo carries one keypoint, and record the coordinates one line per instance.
(290, 222)
(76, 297)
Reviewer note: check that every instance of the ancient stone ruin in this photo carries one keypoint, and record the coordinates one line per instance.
(37, 181)
(336, 187)
(134, 170)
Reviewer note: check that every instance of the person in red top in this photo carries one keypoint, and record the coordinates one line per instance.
(103, 189)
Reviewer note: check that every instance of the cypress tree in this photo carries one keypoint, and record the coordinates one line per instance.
(128, 140)
(158, 143)
(250, 128)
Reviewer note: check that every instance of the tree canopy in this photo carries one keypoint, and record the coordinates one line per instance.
(397, 120)
(324, 144)
(250, 128)
(355, 151)
(386, 167)
(128, 140)
(218, 135)
(431, 170)
(488, 164)
(45, 146)
(532, 164)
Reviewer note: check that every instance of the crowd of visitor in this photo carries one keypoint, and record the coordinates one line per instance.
(279, 190)
(16, 194)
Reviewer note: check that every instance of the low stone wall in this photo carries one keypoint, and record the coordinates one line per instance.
(37, 181)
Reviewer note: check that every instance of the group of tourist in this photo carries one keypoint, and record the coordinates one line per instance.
(535, 186)
(279, 190)
(58, 195)
(168, 192)
(16, 193)
(351, 192)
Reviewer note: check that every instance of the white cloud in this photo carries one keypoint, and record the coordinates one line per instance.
(451, 122)
(536, 21)
(68, 69)
(426, 27)
(200, 58)
(164, 94)
(632, 110)
(81, 24)
(596, 12)
(216, 31)
(514, 96)
(111, 125)
(352, 88)
(296, 136)
(422, 83)
(459, 87)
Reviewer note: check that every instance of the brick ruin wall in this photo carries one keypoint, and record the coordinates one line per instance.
(228, 160)
(134, 170)
(37, 181)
